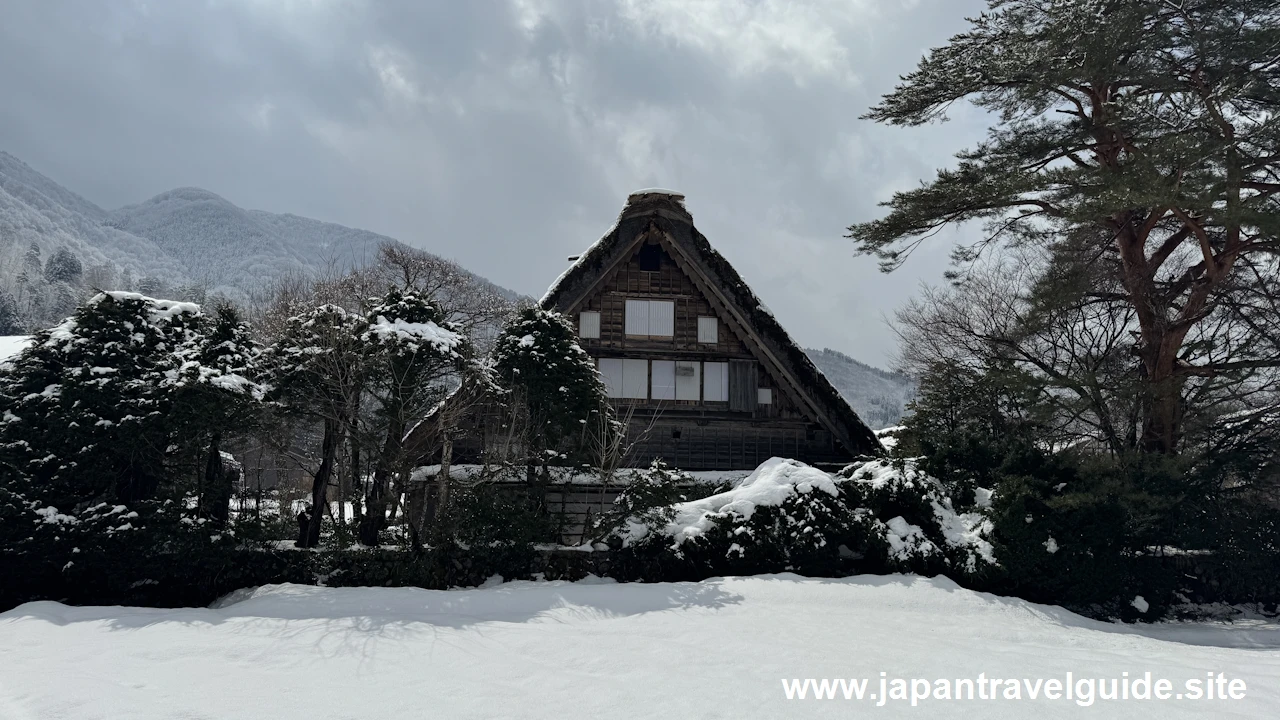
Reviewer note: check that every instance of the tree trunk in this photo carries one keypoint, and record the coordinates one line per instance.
(356, 481)
(1160, 339)
(344, 491)
(320, 484)
(397, 490)
(443, 480)
(1162, 419)
(216, 500)
(375, 511)
(415, 512)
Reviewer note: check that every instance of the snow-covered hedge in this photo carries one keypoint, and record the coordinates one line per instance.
(875, 516)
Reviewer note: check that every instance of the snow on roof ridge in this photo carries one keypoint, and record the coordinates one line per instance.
(655, 191)
(589, 253)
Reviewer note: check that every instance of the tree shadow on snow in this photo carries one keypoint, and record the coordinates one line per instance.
(1255, 634)
(382, 609)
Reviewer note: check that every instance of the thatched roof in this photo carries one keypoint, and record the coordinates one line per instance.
(664, 212)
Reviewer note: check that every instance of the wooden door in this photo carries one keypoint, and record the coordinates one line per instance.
(742, 385)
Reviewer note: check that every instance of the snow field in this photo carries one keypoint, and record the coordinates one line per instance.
(716, 649)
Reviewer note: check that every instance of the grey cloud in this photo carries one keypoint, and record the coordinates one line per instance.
(504, 135)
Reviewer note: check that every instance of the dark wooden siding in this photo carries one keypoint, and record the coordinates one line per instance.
(670, 283)
(726, 444)
(739, 433)
(628, 281)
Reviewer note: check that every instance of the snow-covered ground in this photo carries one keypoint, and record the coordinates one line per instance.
(11, 345)
(716, 649)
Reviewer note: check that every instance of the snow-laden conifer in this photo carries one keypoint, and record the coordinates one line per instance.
(87, 405)
(316, 371)
(412, 357)
(555, 391)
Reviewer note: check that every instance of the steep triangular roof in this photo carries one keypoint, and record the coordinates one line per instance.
(661, 214)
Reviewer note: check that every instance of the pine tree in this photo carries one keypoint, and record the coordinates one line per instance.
(411, 355)
(965, 421)
(555, 389)
(316, 370)
(10, 323)
(31, 262)
(1145, 128)
(62, 300)
(86, 406)
(216, 397)
(153, 286)
(63, 267)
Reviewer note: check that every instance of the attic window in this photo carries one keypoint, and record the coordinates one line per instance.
(650, 258)
(589, 324)
(708, 330)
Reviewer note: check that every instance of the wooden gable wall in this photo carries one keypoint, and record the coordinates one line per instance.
(698, 434)
(628, 281)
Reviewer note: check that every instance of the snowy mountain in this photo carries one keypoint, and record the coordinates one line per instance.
(879, 397)
(186, 240)
(36, 210)
(227, 248)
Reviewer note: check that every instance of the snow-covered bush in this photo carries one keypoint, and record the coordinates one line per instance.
(106, 406)
(650, 497)
(150, 552)
(315, 369)
(877, 516)
(898, 492)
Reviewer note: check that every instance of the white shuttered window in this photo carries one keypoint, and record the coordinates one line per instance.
(715, 387)
(688, 380)
(611, 376)
(708, 330)
(662, 318)
(663, 374)
(635, 379)
(625, 378)
(637, 317)
(589, 324)
(651, 318)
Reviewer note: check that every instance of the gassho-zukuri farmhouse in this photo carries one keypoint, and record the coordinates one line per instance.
(702, 373)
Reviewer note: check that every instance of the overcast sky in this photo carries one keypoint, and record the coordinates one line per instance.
(506, 134)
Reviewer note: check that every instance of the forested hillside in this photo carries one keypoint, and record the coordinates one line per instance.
(57, 247)
(878, 396)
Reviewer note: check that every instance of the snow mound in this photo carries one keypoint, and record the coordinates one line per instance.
(769, 485)
(888, 513)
